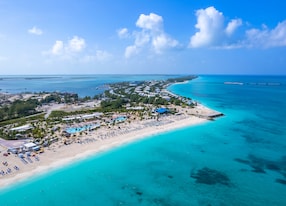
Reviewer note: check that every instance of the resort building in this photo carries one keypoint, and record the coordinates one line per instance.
(83, 117)
(22, 128)
(31, 146)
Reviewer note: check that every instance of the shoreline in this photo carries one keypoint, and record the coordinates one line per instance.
(53, 159)
(91, 143)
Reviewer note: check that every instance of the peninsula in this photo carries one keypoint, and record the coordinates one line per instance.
(44, 131)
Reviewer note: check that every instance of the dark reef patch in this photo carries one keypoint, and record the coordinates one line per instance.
(258, 169)
(281, 181)
(210, 177)
(242, 161)
(139, 193)
(134, 191)
(252, 139)
(260, 165)
(273, 166)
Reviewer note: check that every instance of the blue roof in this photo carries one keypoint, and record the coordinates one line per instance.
(162, 110)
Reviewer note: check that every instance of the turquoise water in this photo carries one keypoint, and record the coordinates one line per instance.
(73, 130)
(83, 85)
(239, 159)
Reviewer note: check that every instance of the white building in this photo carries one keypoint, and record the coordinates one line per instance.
(29, 146)
(22, 128)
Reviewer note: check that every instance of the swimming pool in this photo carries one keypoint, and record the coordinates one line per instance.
(73, 130)
(120, 119)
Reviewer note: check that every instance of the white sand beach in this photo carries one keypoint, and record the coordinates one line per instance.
(91, 143)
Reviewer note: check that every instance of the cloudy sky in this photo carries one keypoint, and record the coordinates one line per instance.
(142, 36)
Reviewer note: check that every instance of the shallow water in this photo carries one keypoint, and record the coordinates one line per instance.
(239, 159)
(83, 85)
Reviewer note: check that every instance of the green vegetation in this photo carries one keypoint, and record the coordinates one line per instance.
(19, 108)
(58, 114)
(60, 98)
(9, 135)
(181, 79)
(113, 104)
(121, 97)
(23, 120)
(23, 108)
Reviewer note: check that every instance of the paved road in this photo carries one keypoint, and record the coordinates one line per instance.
(52, 108)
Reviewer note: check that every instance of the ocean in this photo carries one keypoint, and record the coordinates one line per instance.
(238, 159)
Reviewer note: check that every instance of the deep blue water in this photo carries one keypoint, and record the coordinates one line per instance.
(239, 159)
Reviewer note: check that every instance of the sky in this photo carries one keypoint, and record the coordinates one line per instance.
(142, 37)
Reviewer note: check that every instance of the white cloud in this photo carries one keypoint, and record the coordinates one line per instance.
(58, 48)
(131, 51)
(210, 25)
(142, 38)
(76, 44)
(74, 50)
(212, 31)
(162, 42)
(267, 38)
(151, 22)
(66, 50)
(232, 26)
(35, 31)
(151, 34)
(123, 33)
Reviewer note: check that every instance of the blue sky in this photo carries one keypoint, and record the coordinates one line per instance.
(142, 36)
